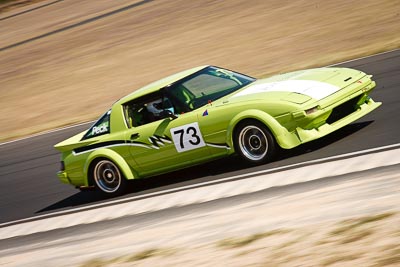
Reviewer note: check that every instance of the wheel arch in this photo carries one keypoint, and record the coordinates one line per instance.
(109, 154)
(254, 114)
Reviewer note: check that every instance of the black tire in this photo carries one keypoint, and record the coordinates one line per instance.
(254, 142)
(108, 178)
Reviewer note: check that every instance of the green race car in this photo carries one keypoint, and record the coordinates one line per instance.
(207, 113)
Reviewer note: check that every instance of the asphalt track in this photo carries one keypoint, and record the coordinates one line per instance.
(29, 187)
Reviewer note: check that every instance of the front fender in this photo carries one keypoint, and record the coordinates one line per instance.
(113, 156)
(282, 136)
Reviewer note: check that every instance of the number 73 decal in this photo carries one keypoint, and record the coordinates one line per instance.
(187, 137)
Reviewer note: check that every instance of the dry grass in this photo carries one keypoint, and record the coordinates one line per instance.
(74, 75)
(136, 257)
(244, 241)
(282, 247)
(148, 253)
(339, 258)
(291, 242)
(8, 5)
(349, 225)
(356, 236)
(94, 263)
(144, 255)
(391, 257)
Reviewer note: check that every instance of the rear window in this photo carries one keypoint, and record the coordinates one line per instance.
(102, 126)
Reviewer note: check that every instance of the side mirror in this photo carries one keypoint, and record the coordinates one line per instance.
(168, 114)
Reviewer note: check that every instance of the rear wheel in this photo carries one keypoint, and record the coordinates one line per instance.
(254, 142)
(108, 178)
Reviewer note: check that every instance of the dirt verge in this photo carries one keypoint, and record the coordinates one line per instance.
(52, 74)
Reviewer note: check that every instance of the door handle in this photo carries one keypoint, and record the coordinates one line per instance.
(135, 135)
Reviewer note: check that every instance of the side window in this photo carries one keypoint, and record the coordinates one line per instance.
(102, 126)
(180, 98)
(147, 109)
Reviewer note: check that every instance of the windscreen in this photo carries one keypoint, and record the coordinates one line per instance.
(207, 85)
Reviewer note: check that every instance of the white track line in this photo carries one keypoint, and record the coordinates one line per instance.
(76, 125)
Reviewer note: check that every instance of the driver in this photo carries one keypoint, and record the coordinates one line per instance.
(156, 107)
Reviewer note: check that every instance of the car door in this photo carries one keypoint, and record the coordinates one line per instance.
(166, 143)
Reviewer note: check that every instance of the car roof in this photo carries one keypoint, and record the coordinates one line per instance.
(155, 86)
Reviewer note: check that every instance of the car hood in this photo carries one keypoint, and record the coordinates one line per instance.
(300, 86)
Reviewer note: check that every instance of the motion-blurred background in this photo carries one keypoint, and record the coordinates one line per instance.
(66, 61)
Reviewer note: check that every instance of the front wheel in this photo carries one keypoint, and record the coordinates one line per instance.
(254, 142)
(108, 178)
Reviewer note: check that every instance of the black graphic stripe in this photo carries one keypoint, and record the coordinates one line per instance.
(163, 137)
(155, 139)
(98, 145)
(106, 144)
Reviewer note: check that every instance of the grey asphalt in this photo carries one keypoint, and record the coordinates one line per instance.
(29, 186)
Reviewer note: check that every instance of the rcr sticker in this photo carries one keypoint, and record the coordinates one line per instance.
(187, 137)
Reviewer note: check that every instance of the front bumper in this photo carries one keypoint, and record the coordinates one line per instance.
(309, 135)
(299, 136)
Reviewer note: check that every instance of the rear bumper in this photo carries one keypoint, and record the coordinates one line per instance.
(62, 175)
